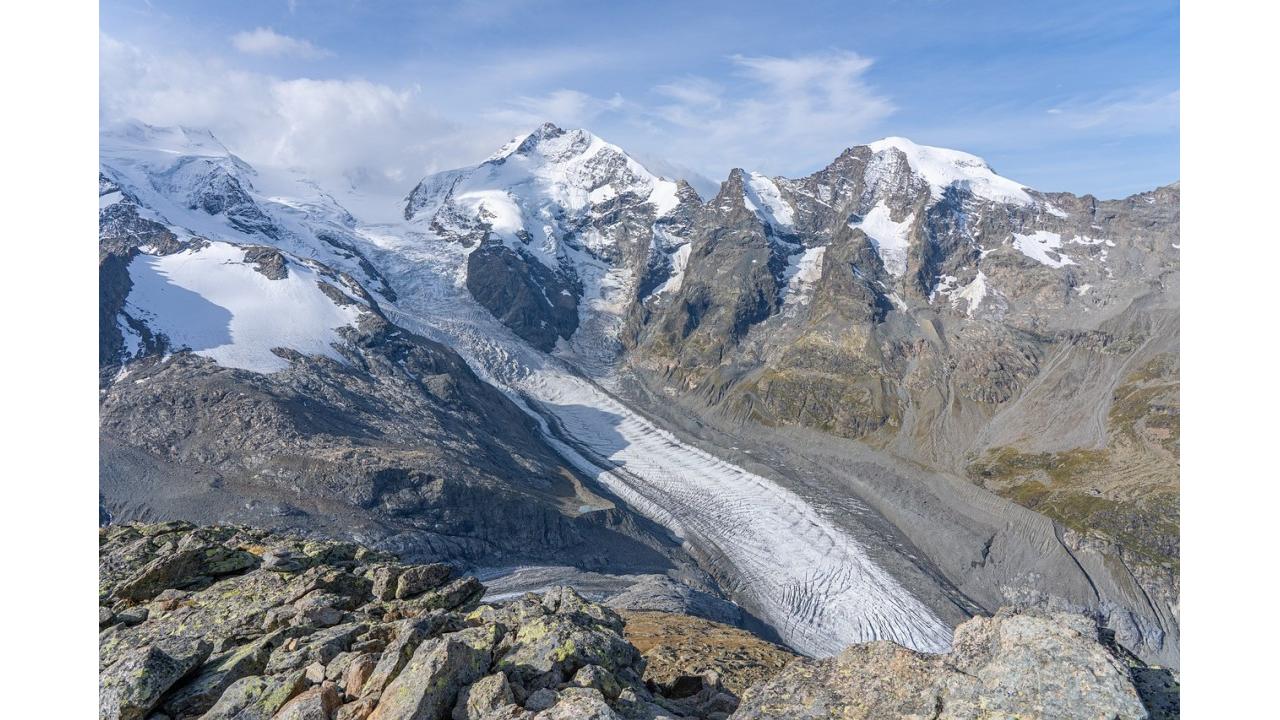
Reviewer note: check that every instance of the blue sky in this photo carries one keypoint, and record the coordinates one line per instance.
(1079, 96)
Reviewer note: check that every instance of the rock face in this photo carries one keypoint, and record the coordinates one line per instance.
(566, 230)
(246, 642)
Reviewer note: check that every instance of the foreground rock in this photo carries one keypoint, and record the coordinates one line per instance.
(676, 647)
(230, 622)
(1032, 664)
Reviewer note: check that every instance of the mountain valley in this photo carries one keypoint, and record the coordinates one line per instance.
(867, 404)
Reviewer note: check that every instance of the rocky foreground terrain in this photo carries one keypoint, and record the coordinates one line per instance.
(231, 622)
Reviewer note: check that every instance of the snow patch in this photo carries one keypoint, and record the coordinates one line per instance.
(1086, 240)
(1044, 247)
(679, 261)
(664, 198)
(211, 302)
(890, 238)
(763, 197)
(800, 276)
(973, 294)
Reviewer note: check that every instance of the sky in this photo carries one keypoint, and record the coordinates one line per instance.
(1080, 97)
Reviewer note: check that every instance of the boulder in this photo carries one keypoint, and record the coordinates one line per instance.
(134, 683)
(199, 694)
(418, 579)
(358, 673)
(571, 635)
(257, 697)
(318, 703)
(1016, 664)
(541, 699)
(427, 688)
(594, 676)
(486, 695)
(577, 703)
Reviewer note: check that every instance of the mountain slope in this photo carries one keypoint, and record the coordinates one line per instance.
(245, 378)
(565, 230)
(910, 299)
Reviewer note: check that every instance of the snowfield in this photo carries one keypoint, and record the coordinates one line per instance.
(211, 301)
(942, 168)
(889, 237)
(1044, 247)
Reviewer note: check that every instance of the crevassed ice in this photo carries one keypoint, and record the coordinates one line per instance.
(807, 577)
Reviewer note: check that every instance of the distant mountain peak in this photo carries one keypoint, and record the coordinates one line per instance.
(943, 167)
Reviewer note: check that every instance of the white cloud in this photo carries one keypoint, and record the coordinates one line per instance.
(791, 114)
(567, 108)
(267, 42)
(338, 131)
(1135, 112)
(780, 115)
(777, 115)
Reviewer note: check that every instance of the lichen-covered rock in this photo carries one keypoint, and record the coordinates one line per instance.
(421, 578)
(577, 703)
(199, 694)
(570, 633)
(1028, 664)
(428, 686)
(541, 699)
(257, 697)
(132, 685)
(409, 634)
(485, 696)
(594, 676)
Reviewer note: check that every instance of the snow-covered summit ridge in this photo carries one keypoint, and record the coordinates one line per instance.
(570, 169)
(132, 138)
(942, 168)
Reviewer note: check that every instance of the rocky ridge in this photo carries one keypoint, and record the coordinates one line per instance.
(231, 622)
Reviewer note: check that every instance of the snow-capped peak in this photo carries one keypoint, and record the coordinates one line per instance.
(568, 169)
(942, 168)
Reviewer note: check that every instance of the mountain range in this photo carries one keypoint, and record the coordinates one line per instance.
(869, 403)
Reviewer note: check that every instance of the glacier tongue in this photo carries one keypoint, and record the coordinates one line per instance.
(812, 581)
